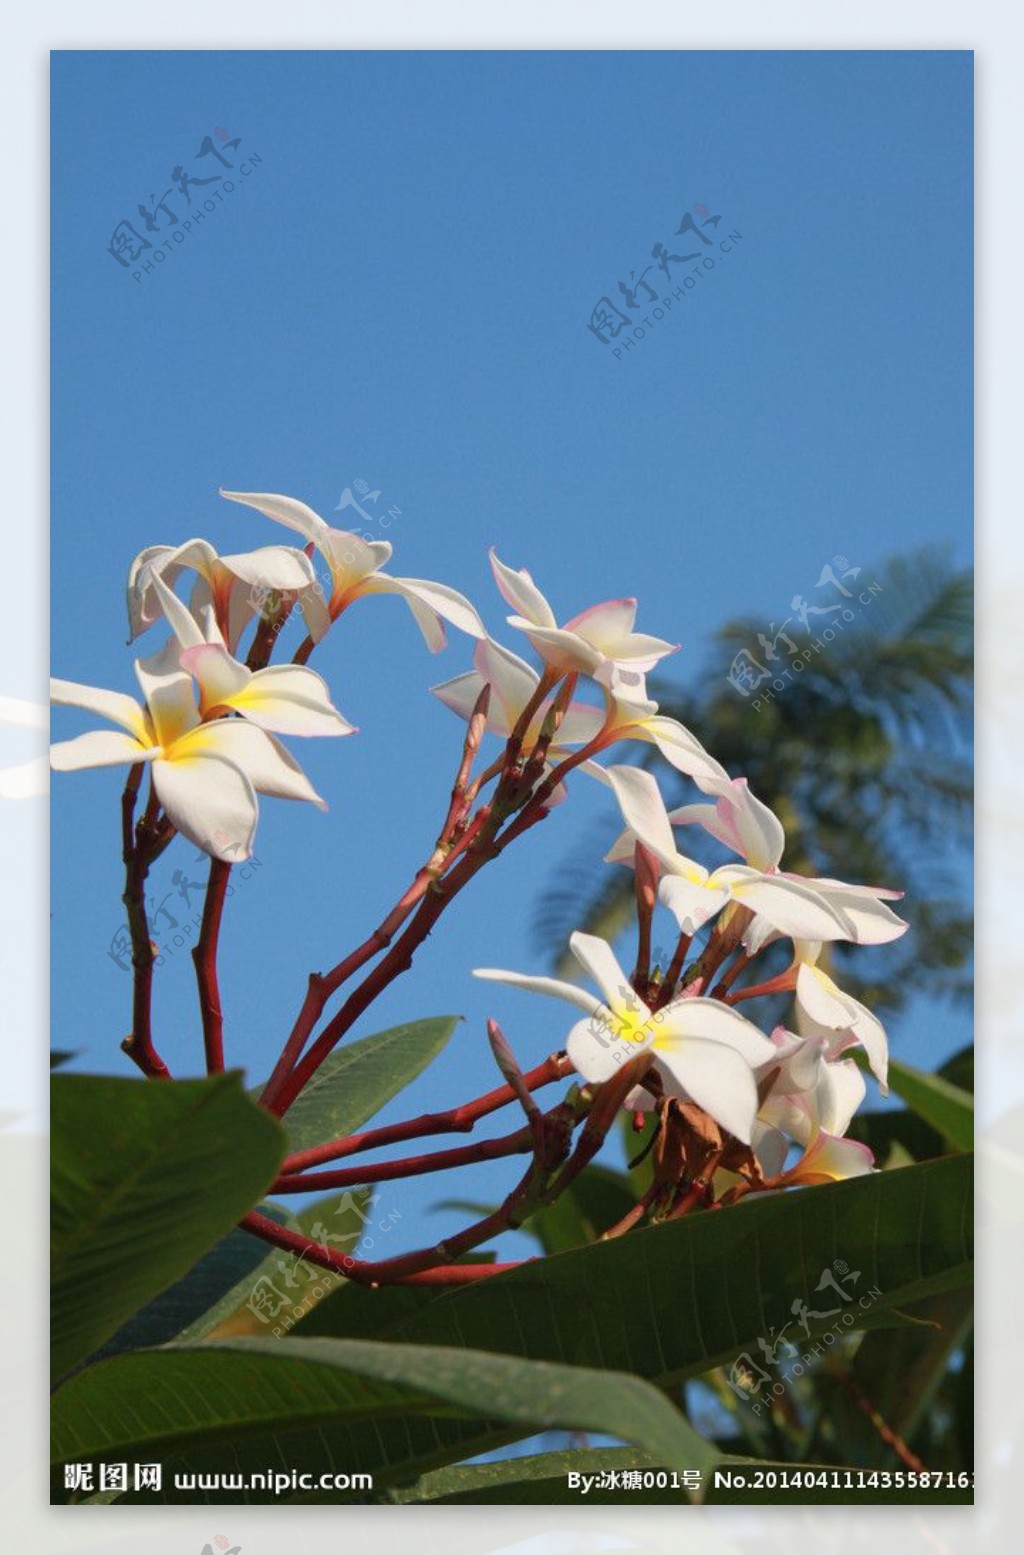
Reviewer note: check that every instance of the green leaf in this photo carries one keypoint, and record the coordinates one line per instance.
(945, 1106)
(212, 1288)
(675, 1300)
(355, 1082)
(319, 1404)
(146, 1176)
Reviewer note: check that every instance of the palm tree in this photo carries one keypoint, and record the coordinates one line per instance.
(865, 756)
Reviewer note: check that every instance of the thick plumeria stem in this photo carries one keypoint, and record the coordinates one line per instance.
(457, 1120)
(150, 839)
(517, 1143)
(205, 958)
(730, 975)
(458, 803)
(266, 635)
(645, 886)
(674, 969)
(633, 1216)
(426, 1267)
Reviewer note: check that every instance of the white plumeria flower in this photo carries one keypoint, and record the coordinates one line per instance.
(235, 586)
(705, 1051)
(823, 1009)
(205, 775)
(826, 1158)
(812, 1101)
(750, 828)
(283, 698)
(355, 566)
(599, 642)
(693, 894)
(813, 1090)
(513, 684)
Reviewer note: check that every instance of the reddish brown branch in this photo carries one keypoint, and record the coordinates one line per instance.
(457, 1120)
(426, 1267)
(205, 958)
(517, 1143)
(150, 838)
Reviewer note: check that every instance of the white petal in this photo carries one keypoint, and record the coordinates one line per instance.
(691, 903)
(643, 808)
(789, 906)
(169, 562)
(595, 1051)
(512, 681)
(679, 746)
(712, 1021)
(438, 598)
(169, 693)
(873, 922)
(315, 612)
(211, 802)
(841, 1089)
(352, 559)
(280, 568)
(717, 1079)
(98, 748)
(836, 1159)
(744, 823)
(821, 1005)
(268, 766)
(580, 724)
(552, 986)
(604, 626)
(596, 957)
(179, 618)
(563, 650)
(113, 705)
(291, 699)
(520, 591)
(770, 1147)
(462, 693)
(285, 510)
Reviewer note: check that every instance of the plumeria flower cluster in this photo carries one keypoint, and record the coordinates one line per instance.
(207, 724)
(738, 1108)
(769, 1096)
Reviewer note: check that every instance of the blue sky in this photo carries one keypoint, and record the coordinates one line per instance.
(398, 292)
